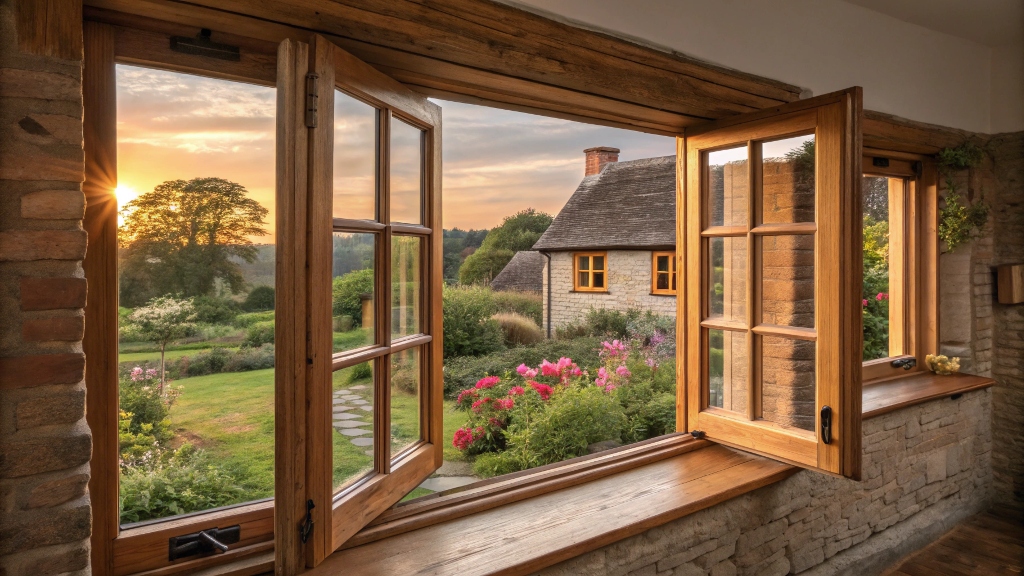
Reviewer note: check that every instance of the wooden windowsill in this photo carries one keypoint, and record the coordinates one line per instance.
(891, 395)
(566, 523)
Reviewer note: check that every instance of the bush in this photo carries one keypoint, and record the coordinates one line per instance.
(463, 372)
(518, 330)
(209, 361)
(248, 359)
(259, 334)
(215, 310)
(259, 299)
(361, 372)
(648, 412)
(348, 291)
(176, 482)
(468, 327)
(525, 303)
(248, 319)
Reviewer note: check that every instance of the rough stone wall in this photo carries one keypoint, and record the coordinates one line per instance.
(45, 443)
(629, 286)
(926, 467)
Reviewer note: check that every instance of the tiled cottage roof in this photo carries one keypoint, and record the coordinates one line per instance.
(523, 273)
(627, 205)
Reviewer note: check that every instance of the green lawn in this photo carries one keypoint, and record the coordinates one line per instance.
(155, 356)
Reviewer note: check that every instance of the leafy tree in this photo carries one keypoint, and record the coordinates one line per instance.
(458, 245)
(181, 237)
(519, 231)
(259, 299)
(348, 291)
(215, 310)
(162, 321)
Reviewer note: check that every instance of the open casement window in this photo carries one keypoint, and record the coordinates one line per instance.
(590, 271)
(359, 212)
(663, 273)
(772, 314)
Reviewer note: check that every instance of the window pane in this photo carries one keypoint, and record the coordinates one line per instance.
(583, 262)
(727, 286)
(875, 300)
(662, 263)
(195, 373)
(787, 170)
(787, 280)
(405, 400)
(662, 281)
(728, 370)
(355, 158)
(352, 420)
(583, 280)
(353, 291)
(598, 262)
(405, 286)
(787, 381)
(598, 279)
(728, 186)
(406, 173)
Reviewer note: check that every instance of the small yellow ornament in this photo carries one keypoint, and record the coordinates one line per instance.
(942, 364)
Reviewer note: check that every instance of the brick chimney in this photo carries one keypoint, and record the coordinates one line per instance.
(598, 156)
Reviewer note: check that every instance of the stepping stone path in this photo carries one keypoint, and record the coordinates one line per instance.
(352, 415)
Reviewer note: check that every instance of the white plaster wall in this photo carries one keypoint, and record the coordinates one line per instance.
(826, 45)
(629, 286)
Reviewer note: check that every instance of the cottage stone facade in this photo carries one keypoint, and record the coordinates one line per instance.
(629, 286)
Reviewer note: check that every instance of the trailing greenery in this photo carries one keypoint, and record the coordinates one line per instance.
(519, 231)
(959, 218)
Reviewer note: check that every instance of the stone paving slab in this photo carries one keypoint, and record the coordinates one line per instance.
(354, 432)
(346, 416)
(363, 442)
(349, 423)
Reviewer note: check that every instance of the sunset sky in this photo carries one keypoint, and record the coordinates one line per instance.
(495, 162)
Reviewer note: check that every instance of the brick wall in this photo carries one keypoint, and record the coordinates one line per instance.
(925, 468)
(629, 286)
(45, 444)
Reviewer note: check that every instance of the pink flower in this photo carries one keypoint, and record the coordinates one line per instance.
(531, 373)
(609, 387)
(623, 371)
(151, 373)
(882, 296)
(613, 348)
(543, 389)
(479, 403)
(516, 391)
(548, 369)
(864, 302)
(504, 404)
(522, 368)
(469, 392)
(576, 371)
(136, 374)
(651, 363)
(487, 382)
(462, 438)
(496, 423)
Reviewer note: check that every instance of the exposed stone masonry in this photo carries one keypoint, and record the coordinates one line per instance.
(925, 468)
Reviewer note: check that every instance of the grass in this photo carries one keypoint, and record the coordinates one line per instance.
(155, 356)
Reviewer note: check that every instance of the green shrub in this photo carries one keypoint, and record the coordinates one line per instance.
(342, 323)
(248, 359)
(490, 464)
(249, 318)
(648, 412)
(206, 362)
(361, 372)
(259, 334)
(176, 482)
(468, 327)
(518, 330)
(463, 372)
(348, 291)
(259, 299)
(215, 310)
(525, 303)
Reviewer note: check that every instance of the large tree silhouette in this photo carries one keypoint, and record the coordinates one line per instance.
(180, 238)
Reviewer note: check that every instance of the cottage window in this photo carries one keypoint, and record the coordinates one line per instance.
(590, 271)
(663, 273)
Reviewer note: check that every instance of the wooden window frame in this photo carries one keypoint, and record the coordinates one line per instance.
(915, 245)
(671, 274)
(590, 272)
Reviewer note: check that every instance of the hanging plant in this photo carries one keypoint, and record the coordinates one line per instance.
(960, 217)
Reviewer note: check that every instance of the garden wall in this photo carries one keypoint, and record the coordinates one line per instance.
(926, 467)
(45, 444)
(629, 286)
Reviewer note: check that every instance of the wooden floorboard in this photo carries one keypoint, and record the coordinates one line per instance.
(985, 544)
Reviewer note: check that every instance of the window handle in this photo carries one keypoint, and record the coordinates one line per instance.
(209, 540)
(905, 363)
(826, 424)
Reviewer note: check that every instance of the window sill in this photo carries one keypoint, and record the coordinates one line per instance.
(589, 292)
(560, 525)
(891, 395)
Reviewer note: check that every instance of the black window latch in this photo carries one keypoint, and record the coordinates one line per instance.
(905, 363)
(826, 424)
(306, 528)
(209, 540)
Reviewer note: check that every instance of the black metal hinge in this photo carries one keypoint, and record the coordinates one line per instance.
(311, 100)
(306, 528)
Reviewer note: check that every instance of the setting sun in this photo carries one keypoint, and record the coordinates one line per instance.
(125, 194)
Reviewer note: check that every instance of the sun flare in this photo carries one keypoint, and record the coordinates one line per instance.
(125, 194)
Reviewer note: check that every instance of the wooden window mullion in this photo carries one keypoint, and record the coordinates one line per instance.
(382, 376)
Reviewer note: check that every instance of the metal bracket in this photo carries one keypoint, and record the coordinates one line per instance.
(905, 363)
(311, 99)
(306, 528)
(209, 540)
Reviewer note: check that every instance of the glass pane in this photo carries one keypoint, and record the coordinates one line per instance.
(875, 300)
(662, 263)
(196, 421)
(352, 420)
(787, 170)
(406, 173)
(662, 281)
(405, 286)
(727, 286)
(405, 400)
(787, 280)
(598, 279)
(728, 370)
(598, 262)
(583, 280)
(355, 158)
(583, 262)
(728, 186)
(352, 292)
(787, 381)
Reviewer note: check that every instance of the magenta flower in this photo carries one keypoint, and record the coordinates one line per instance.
(516, 391)
(548, 369)
(623, 371)
(487, 382)
(543, 389)
(864, 302)
(478, 405)
(504, 404)
(882, 296)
